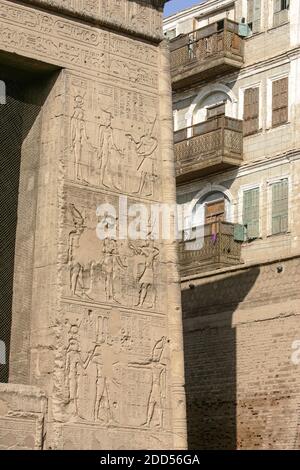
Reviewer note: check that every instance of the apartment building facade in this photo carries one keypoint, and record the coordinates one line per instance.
(235, 69)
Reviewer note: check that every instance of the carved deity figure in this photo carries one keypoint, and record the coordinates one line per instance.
(73, 367)
(102, 409)
(76, 269)
(144, 149)
(106, 147)
(80, 141)
(158, 383)
(110, 261)
(146, 278)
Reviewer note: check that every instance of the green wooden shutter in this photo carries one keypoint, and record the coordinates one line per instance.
(280, 207)
(251, 212)
(239, 233)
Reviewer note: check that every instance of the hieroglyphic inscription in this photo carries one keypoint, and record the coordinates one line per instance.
(65, 42)
(140, 17)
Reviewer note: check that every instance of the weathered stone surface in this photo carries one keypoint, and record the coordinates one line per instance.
(104, 339)
(22, 414)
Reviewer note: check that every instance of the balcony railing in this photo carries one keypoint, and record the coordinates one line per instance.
(213, 145)
(213, 246)
(216, 48)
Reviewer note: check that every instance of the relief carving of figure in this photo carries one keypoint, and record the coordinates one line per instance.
(80, 141)
(158, 384)
(73, 367)
(102, 406)
(76, 269)
(146, 277)
(110, 261)
(105, 148)
(144, 149)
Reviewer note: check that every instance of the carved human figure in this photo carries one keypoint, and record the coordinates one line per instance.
(80, 141)
(105, 148)
(144, 149)
(74, 366)
(76, 269)
(146, 278)
(110, 261)
(102, 399)
(158, 383)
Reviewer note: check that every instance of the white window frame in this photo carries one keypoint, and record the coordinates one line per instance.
(270, 81)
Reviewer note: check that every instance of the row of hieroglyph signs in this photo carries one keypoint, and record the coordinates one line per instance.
(140, 17)
(67, 43)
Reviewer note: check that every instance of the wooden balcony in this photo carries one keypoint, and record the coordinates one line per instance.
(213, 246)
(205, 53)
(208, 147)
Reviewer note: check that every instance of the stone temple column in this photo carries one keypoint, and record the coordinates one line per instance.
(103, 330)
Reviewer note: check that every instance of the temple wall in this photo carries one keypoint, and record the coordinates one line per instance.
(105, 335)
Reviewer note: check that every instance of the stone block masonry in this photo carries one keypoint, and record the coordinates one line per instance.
(103, 332)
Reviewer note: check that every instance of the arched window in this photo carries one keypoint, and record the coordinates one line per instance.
(211, 207)
(213, 99)
(210, 96)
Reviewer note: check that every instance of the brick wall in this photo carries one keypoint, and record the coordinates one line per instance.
(243, 389)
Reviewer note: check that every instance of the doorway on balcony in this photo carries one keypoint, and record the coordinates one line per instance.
(209, 97)
(212, 206)
(216, 100)
(214, 214)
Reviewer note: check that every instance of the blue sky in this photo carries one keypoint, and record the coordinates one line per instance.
(176, 5)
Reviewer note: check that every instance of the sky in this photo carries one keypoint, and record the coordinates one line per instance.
(174, 6)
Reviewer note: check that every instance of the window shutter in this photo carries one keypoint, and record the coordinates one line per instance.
(280, 100)
(280, 14)
(280, 207)
(251, 212)
(250, 9)
(251, 111)
(256, 16)
(171, 34)
(239, 233)
(277, 6)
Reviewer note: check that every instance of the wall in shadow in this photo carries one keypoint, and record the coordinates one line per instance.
(210, 357)
(19, 147)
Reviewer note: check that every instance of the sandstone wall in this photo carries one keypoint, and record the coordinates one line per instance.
(105, 337)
